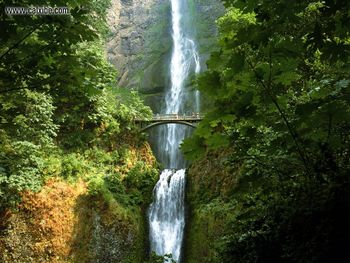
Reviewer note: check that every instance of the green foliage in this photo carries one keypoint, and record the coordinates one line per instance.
(21, 169)
(28, 114)
(131, 189)
(139, 183)
(72, 165)
(131, 107)
(59, 104)
(27, 131)
(280, 87)
(45, 62)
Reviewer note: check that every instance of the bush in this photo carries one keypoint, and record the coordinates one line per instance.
(73, 165)
(21, 168)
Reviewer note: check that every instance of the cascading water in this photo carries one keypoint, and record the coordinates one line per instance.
(167, 216)
(167, 212)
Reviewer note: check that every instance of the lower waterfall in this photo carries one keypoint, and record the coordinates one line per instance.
(167, 214)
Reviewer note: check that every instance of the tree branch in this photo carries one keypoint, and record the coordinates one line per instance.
(20, 41)
(32, 54)
(284, 117)
(330, 119)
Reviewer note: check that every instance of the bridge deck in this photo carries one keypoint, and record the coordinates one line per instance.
(174, 118)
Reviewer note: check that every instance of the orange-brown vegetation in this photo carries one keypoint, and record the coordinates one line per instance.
(53, 217)
(46, 220)
(64, 222)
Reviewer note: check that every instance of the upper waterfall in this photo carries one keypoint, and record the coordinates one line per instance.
(184, 59)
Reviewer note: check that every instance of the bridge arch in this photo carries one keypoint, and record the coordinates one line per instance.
(168, 122)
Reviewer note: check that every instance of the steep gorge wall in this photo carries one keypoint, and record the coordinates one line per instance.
(210, 183)
(140, 43)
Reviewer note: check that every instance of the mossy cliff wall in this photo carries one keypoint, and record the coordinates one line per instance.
(209, 186)
(140, 41)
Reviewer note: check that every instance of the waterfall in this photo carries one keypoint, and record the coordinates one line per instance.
(167, 217)
(167, 212)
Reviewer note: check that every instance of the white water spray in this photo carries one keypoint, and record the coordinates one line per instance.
(167, 212)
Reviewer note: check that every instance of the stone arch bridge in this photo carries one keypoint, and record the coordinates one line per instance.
(160, 119)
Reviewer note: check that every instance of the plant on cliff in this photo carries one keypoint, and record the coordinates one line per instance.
(280, 86)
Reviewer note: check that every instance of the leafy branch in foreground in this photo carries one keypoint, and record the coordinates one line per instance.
(280, 85)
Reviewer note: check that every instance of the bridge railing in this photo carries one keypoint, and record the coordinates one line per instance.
(173, 117)
(195, 116)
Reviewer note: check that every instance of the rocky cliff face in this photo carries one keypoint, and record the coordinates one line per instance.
(140, 41)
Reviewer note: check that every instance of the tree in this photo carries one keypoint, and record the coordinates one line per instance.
(57, 91)
(280, 86)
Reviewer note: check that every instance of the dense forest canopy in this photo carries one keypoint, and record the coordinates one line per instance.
(280, 87)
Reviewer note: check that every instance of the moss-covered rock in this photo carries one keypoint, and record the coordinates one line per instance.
(107, 232)
(209, 186)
